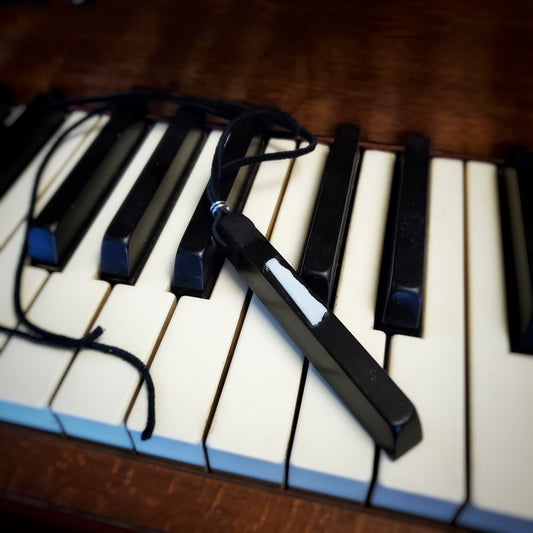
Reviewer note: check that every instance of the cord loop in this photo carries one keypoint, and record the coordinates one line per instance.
(234, 113)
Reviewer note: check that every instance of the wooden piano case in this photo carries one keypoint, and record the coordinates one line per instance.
(458, 71)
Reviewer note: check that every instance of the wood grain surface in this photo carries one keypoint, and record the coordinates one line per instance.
(457, 71)
(78, 485)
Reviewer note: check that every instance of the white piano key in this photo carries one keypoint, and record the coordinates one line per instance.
(331, 453)
(133, 318)
(431, 479)
(13, 208)
(252, 422)
(29, 373)
(72, 294)
(501, 464)
(186, 371)
(97, 390)
(32, 280)
(190, 360)
(15, 202)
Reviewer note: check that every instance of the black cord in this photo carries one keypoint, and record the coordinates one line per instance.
(234, 113)
(278, 118)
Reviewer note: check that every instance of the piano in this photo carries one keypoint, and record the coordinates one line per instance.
(454, 73)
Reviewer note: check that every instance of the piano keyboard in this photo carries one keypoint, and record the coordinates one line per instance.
(228, 379)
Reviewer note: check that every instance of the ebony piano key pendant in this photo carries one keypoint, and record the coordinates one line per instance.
(323, 249)
(516, 193)
(198, 259)
(133, 230)
(365, 388)
(400, 290)
(27, 135)
(54, 232)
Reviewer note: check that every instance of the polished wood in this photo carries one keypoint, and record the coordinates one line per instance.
(84, 483)
(457, 71)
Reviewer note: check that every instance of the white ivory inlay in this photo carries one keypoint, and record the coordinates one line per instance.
(313, 310)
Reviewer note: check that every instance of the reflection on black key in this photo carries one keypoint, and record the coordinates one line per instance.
(322, 254)
(399, 300)
(66, 216)
(516, 202)
(22, 141)
(134, 228)
(198, 259)
(353, 374)
(5, 104)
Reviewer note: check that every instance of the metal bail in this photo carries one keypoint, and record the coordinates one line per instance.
(216, 206)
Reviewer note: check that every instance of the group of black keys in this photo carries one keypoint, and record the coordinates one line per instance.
(366, 389)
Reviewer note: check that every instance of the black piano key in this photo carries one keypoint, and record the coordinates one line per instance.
(323, 249)
(400, 291)
(365, 388)
(133, 230)
(5, 104)
(63, 220)
(516, 193)
(26, 136)
(198, 259)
